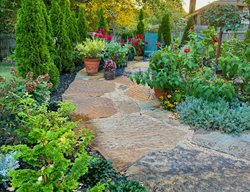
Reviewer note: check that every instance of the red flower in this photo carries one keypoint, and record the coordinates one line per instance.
(101, 35)
(158, 44)
(96, 35)
(122, 42)
(136, 43)
(146, 42)
(140, 36)
(130, 40)
(186, 50)
(214, 40)
(109, 38)
(191, 27)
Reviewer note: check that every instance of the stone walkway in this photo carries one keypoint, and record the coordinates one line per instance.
(148, 144)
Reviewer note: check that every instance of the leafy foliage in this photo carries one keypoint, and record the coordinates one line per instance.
(91, 48)
(117, 53)
(32, 51)
(229, 20)
(11, 104)
(57, 157)
(101, 171)
(215, 115)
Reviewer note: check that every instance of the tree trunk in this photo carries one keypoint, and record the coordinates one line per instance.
(218, 48)
(192, 6)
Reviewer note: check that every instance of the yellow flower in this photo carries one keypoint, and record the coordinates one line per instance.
(166, 102)
(223, 81)
(161, 97)
(169, 96)
(175, 103)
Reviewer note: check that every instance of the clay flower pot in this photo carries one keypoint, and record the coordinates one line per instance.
(159, 93)
(91, 65)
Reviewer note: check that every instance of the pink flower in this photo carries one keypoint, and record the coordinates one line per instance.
(109, 65)
(158, 44)
(130, 40)
(146, 42)
(122, 41)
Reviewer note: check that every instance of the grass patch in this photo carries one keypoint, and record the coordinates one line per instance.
(5, 70)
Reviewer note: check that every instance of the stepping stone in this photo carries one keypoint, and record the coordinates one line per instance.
(188, 170)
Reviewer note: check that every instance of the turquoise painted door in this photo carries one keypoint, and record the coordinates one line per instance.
(151, 38)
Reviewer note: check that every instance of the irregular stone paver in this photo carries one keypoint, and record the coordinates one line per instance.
(188, 170)
(238, 146)
(139, 93)
(126, 138)
(92, 108)
(128, 125)
(92, 88)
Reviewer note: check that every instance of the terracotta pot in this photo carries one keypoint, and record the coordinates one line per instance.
(91, 65)
(160, 93)
(109, 75)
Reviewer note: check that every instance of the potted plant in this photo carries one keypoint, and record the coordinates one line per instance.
(109, 69)
(91, 51)
(118, 53)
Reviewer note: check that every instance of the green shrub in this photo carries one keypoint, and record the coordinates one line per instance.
(101, 171)
(117, 53)
(82, 25)
(215, 115)
(55, 157)
(140, 26)
(63, 44)
(11, 94)
(165, 31)
(207, 85)
(32, 51)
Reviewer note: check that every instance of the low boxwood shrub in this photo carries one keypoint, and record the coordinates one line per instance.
(220, 115)
(101, 171)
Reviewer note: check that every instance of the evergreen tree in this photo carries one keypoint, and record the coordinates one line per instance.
(63, 45)
(185, 37)
(49, 38)
(159, 34)
(82, 25)
(165, 31)
(102, 21)
(32, 52)
(140, 26)
(74, 32)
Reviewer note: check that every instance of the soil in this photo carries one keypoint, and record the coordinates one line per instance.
(65, 80)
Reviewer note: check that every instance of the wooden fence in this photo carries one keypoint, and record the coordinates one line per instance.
(7, 45)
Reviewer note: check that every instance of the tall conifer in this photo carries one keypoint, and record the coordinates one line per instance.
(82, 25)
(32, 51)
(63, 45)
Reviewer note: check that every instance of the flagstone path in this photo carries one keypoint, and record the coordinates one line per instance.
(147, 143)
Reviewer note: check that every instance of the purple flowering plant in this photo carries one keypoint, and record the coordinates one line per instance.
(109, 65)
